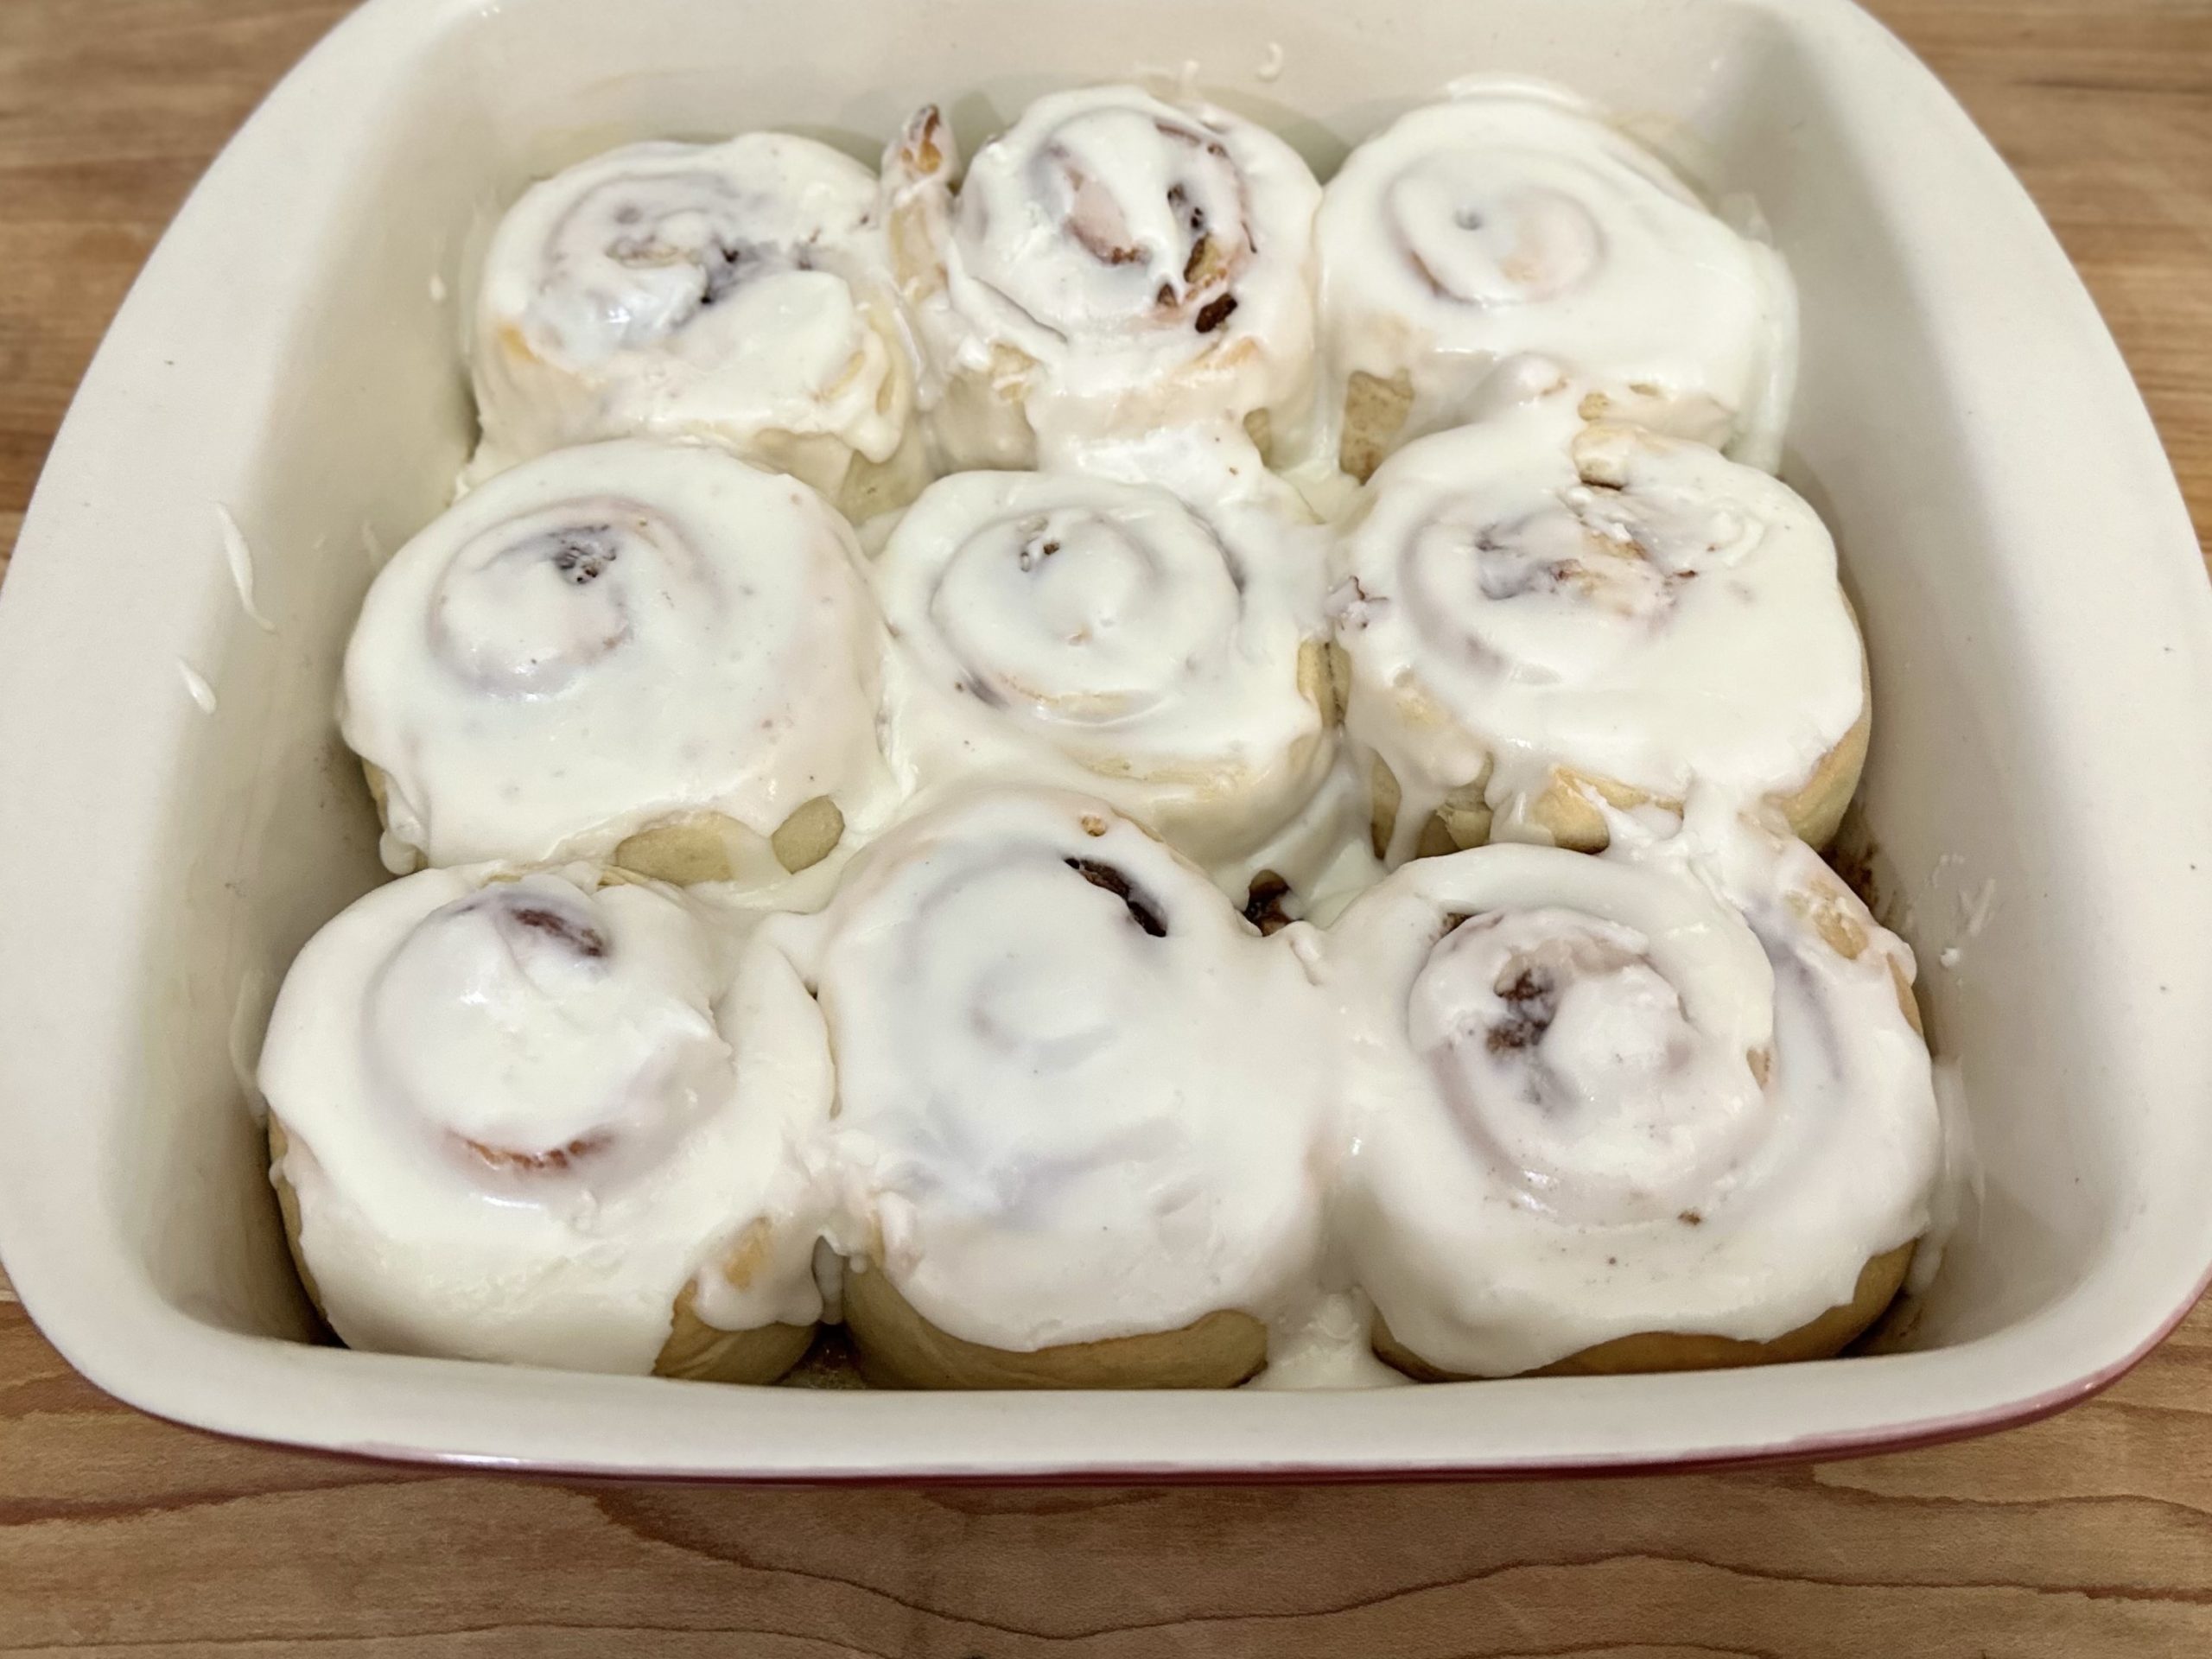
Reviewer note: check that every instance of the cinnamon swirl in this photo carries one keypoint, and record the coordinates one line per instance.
(738, 293)
(1079, 1105)
(537, 1120)
(652, 654)
(1506, 241)
(1538, 614)
(1111, 264)
(1055, 628)
(1663, 1107)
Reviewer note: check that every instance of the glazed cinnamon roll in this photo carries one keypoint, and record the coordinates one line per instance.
(1540, 616)
(737, 293)
(650, 653)
(1079, 1104)
(1507, 241)
(1111, 264)
(538, 1121)
(1639, 1112)
(1055, 627)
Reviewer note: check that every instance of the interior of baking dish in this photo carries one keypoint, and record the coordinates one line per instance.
(330, 415)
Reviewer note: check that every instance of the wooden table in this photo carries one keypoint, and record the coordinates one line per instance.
(2091, 1533)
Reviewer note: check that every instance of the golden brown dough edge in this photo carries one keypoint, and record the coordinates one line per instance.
(695, 1349)
(711, 846)
(900, 1349)
(1463, 821)
(1678, 1351)
(1374, 414)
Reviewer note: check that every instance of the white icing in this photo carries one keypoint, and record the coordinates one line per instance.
(1974, 912)
(238, 558)
(1321, 851)
(1113, 264)
(196, 686)
(1063, 1115)
(1506, 239)
(736, 292)
(250, 1011)
(607, 636)
(1060, 628)
(1055, 1124)
(1532, 594)
(1958, 1196)
(1326, 1346)
(523, 1115)
(1562, 1131)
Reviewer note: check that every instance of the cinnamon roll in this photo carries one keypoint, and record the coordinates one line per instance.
(652, 654)
(1111, 264)
(1650, 1110)
(737, 293)
(1079, 1105)
(537, 1120)
(1057, 627)
(1507, 241)
(1538, 616)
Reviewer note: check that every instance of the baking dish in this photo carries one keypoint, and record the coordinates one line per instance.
(282, 400)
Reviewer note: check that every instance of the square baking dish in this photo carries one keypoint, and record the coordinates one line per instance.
(177, 814)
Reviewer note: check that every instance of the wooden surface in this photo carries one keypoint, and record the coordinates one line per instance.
(2091, 1533)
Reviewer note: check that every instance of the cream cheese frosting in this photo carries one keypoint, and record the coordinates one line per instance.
(607, 638)
(1507, 240)
(738, 292)
(1666, 1088)
(1078, 1096)
(523, 1115)
(1112, 262)
(1008, 1043)
(1057, 627)
(1532, 594)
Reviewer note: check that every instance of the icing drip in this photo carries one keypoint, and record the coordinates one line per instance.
(738, 292)
(1061, 627)
(1533, 594)
(609, 637)
(1668, 1088)
(1078, 1096)
(1112, 263)
(523, 1115)
(1507, 241)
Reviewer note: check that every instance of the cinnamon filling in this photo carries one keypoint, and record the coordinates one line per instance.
(559, 1158)
(584, 554)
(1264, 906)
(582, 938)
(1532, 997)
(1142, 911)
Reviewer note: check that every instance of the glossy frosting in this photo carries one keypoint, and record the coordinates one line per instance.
(606, 637)
(737, 292)
(1072, 629)
(1010, 1044)
(1111, 264)
(523, 1116)
(1077, 1095)
(1506, 239)
(1532, 594)
(1647, 1091)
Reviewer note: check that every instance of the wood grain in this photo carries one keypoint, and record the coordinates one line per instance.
(2088, 1534)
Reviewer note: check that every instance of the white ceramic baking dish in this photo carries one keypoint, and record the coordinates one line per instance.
(2041, 777)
